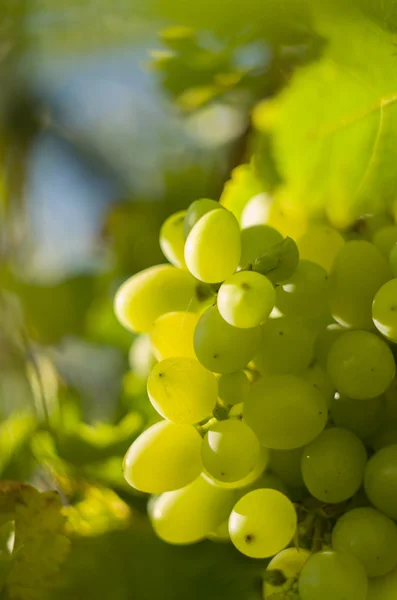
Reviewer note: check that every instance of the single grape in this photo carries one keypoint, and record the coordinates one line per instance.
(256, 211)
(370, 536)
(362, 417)
(233, 388)
(290, 562)
(246, 299)
(320, 244)
(383, 588)
(172, 335)
(267, 481)
(172, 239)
(190, 514)
(151, 293)
(164, 457)
(279, 262)
(181, 390)
(386, 435)
(262, 523)
(384, 310)
(319, 379)
(286, 347)
(140, 356)
(352, 287)
(333, 465)
(222, 348)
(331, 575)
(255, 241)
(229, 451)
(384, 239)
(285, 411)
(325, 340)
(249, 481)
(360, 365)
(196, 210)
(304, 294)
(380, 480)
(213, 247)
(287, 465)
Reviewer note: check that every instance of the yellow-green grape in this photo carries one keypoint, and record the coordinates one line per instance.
(140, 357)
(286, 347)
(373, 223)
(229, 451)
(287, 465)
(221, 533)
(324, 341)
(353, 285)
(256, 211)
(236, 411)
(172, 335)
(172, 239)
(362, 417)
(190, 514)
(370, 536)
(383, 588)
(290, 562)
(213, 247)
(386, 435)
(279, 262)
(151, 293)
(319, 379)
(165, 457)
(333, 465)
(384, 239)
(285, 411)
(262, 523)
(320, 244)
(265, 481)
(380, 480)
(181, 390)
(331, 575)
(255, 241)
(305, 293)
(196, 210)
(249, 480)
(384, 310)
(233, 388)
(222, 348)
(246, 299)
(393, 260)
(360, 365)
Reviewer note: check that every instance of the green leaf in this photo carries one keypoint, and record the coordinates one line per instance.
(335, 128)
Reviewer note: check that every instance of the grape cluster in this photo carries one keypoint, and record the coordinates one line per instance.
(271, 363)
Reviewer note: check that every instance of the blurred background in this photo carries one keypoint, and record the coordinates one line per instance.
(113, 115)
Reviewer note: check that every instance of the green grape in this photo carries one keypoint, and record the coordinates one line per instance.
(383, 588)
(213, 247)
(380, 480)
(249, 480)
(172, 239)
(181, 390)
(233, 388)
(290, 562)
(333, 465)
(320, 244)
(384, 310)
(386, 435)
(384, 239)
(331, 575)
(373, 223)
(246, 299)
(360, 365)
(262, 523)
(222, 348)
(255, 241)
(305, 294)
(256, 211)
(140, 357)
(393, 260)
(352, 287)
(268, 481)
(318, 322)
(151, 293)
(236, 411)
(287, 347)
(369, 536)
(190, 514)
(287, 465)
(221, 533)
(285, 411)
(319, 379)
(279, 262)
(196, 210)
(164, 457)
(172, 335)
(362, 417)
(325, 340)
(229, 451)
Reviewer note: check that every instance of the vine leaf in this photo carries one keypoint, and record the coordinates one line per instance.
(334, 130)
(40, 546)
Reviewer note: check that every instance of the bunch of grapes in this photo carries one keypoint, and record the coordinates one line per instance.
(274, 374)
